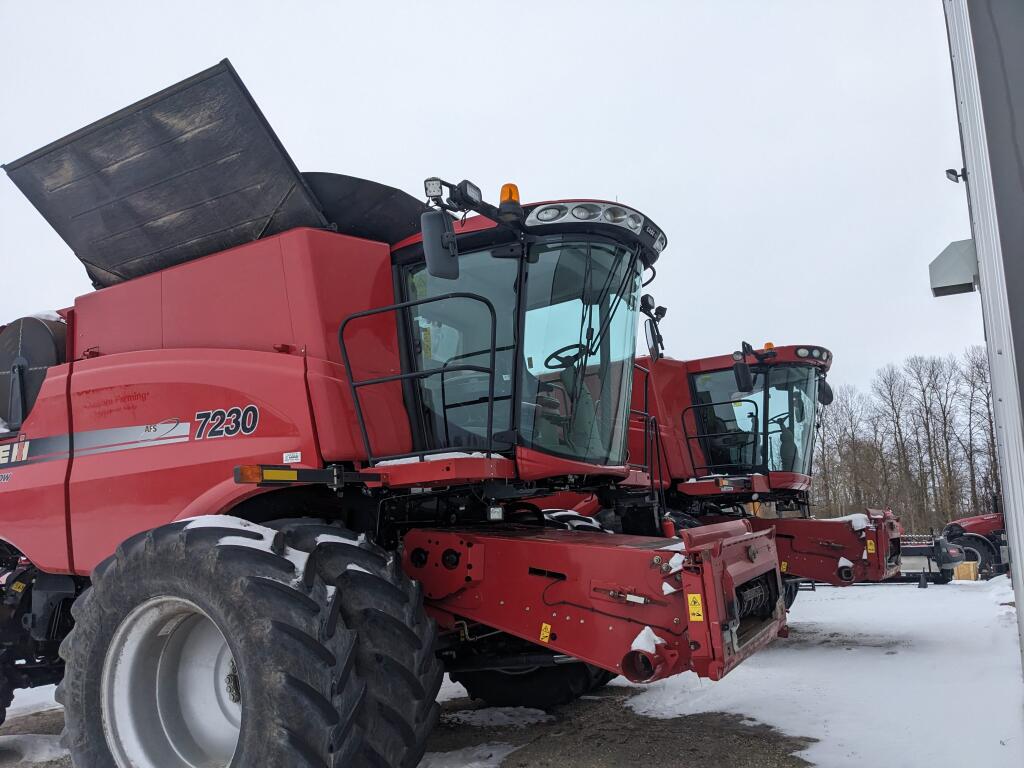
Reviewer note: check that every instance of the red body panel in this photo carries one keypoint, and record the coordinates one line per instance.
(160, 475)
(245, 327)
(591, 595)
(534, 465)
(982, 525)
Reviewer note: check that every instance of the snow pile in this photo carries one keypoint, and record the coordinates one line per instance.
(33, 748)
(29, 700)
(881, 675)
(678, 546)
(499, 717)
(858, 520)
(451, 690)
(646, 641)
(483, 756)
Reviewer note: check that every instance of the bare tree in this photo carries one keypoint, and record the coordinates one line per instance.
(922, 442)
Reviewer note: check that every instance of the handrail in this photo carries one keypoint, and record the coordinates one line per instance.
(354, 385)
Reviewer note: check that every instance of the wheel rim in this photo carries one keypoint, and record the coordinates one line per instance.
(169, 689)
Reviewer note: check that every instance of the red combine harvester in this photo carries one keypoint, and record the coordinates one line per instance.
(732, 437)
(272, 479)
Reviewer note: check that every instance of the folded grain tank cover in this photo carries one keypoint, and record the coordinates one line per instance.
(189, 171)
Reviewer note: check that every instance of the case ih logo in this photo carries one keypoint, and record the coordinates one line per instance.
(13, 452)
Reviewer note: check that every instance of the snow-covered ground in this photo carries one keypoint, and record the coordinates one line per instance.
(887, 675)
(29, 700)
(880, 675)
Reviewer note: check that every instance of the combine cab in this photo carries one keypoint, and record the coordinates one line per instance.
(275, 477)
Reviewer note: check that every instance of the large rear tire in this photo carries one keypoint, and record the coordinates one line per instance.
(541, 688)
(395, 653)
(210, 642)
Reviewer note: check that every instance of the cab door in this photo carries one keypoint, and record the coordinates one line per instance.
(449, 408)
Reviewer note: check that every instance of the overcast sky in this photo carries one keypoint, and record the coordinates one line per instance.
(793, 150)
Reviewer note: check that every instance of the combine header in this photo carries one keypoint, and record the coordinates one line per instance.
(274, 477)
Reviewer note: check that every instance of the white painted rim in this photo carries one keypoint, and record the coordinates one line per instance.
(169, 689)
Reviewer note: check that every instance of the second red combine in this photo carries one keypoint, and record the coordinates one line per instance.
(732, 437)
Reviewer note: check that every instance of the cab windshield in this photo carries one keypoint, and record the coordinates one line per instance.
(565, 387)
(768, 429)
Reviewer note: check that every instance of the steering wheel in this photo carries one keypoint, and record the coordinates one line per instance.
(779, 420)
(563, 359)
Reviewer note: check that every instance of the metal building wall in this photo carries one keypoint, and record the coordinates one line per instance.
(986, 39)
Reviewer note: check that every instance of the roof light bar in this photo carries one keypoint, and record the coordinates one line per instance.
(818, 353)
(597, 213)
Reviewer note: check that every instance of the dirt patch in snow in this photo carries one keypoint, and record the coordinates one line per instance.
(598, 731)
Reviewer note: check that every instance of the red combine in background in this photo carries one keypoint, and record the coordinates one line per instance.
(982, 539)
(732, 437)
(272, 479)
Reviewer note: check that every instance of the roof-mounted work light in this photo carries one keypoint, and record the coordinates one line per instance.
(466, 196)
(433, 188)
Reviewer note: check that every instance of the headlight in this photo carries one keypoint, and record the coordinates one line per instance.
(802, 352)
(586, 212)
(551, 213)
(815, 353)
(660, 243)
(615, 214)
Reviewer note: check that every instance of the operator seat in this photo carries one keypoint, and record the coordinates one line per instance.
(28, 347)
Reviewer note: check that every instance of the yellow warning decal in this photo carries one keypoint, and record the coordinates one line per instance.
(871, 547)
(545, 633)
(784, 566)
(696, 605)
(18, 586)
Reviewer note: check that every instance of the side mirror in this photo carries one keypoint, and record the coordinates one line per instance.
(825, 394)
(439, 248)
(744, 376)
(653, 340)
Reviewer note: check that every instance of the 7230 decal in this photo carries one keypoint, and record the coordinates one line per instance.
(227, 423)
